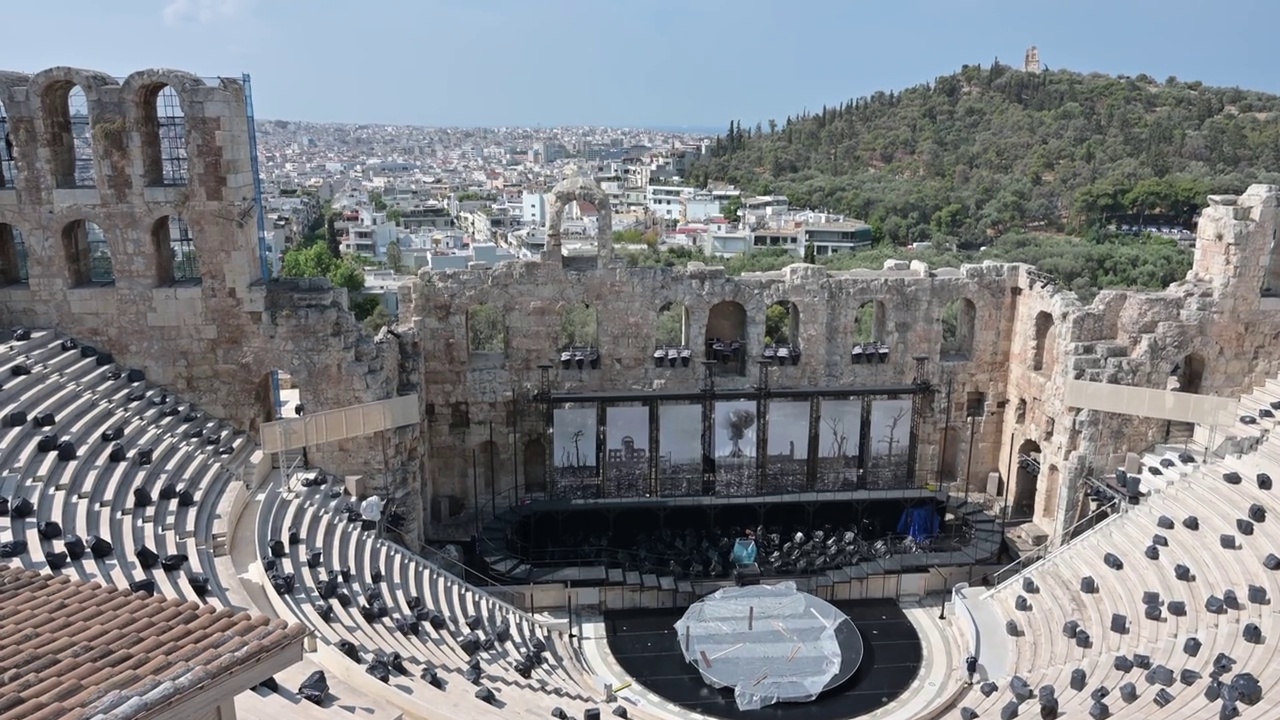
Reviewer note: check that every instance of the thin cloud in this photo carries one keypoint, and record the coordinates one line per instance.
(203, 12)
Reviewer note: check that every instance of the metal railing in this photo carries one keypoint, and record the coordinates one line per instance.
(1066, 539)
(514, 601)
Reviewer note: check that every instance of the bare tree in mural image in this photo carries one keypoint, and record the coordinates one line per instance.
(577, 447)
(839, 440)
(738, 422)
(889, 438)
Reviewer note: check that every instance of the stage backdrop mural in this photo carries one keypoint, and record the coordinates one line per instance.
(788, 446)
(574, 432)
(626, 446)
(680, 449)
(839, 435)
(889, 442)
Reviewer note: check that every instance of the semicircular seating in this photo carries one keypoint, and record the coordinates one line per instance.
(1188, 638)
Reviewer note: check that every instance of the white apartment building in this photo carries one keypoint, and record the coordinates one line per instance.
(534, 208)
(666, 202)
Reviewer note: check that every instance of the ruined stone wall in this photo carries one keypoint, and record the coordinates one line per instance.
(213, 339)
(1030, 337)
(465, 392)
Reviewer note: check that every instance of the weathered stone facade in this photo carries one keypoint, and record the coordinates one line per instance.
(213, 339)
(1028, 337)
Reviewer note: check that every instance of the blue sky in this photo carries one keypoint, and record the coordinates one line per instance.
(637, 63)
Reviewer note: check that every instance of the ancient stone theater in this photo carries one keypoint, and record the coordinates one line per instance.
(567, 487)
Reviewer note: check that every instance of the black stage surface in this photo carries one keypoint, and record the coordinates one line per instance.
(644, 642)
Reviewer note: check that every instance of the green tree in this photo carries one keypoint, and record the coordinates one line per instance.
(317, 261)
(732, 209)
(630, 236)
(395, 215)
(777, 324)
(810, 254)
(378, 318)
(379, 204)
(395, 259)
(670, 326)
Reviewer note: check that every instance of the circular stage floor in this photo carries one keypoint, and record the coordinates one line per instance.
(772, 643)
(644, 642)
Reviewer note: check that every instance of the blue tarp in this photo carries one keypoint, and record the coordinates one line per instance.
(920, 522)
(744, 551)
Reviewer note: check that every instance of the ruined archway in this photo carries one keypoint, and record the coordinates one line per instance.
(1042, 354)
(486, 330)
(726, 336)
(782, 323)
(1026, 479)
(174, 251)
(87, 254)
(957, 322)
(587, 254)
(535, 466)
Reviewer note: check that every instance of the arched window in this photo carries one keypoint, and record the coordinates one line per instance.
(957, 330)
(8, 167)
(164, 137)
(13, 255)
(70, 135)
(175, 251)
(726, 337)
(87, 254)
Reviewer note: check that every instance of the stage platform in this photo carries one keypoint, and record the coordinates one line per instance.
(499, 562)
(644, 644)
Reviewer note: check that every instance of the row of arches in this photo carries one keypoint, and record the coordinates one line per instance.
(71, 135)
(486, 324)
(85, 251)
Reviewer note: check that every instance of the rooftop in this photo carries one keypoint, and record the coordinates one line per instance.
(75, 649)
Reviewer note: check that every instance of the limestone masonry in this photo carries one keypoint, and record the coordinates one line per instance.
(1016, 337)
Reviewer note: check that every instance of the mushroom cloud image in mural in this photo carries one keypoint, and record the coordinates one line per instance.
(738, 422)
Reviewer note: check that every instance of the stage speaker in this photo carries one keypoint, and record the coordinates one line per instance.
(1192, 646)
(745, 575)
(1128, 692)
(485, 695)
(591, 714)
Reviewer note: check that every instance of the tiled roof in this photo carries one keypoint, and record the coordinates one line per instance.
(71, 649)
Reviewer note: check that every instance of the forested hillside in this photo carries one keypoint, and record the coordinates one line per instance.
(993, 150)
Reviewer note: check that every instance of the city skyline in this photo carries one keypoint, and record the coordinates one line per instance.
(502, 72)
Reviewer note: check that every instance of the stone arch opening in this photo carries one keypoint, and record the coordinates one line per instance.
(1020, 412)
(486, 330)
(69, 133)
(1042, 355)
(1026, 478)
(163, 129)
(175, 252)
(13, 255)
(87, 254)
(672, 326)
(1189, 374)
(957, 330)
(579, 224)
(8, 165)
(726, 336)
(535, 466)
(869, 322)
(782, 323)
(278, 396)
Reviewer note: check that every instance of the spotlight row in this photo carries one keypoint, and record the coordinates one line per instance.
(725, 352)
